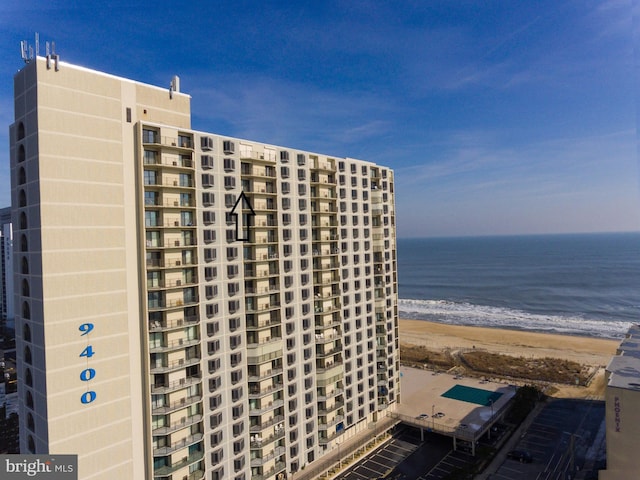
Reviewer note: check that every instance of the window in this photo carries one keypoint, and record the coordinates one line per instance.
(229, 200)
(149, 136)
(228, 147)
(232, 288)
(302, 175)
(285, 188)
(206, 143)
(210, 291)
(150, 177)
(235, 359)
(229, 164)
(236, 376)
(301, 159)
(303, 220)
(209, 236)
(232, 253)
(208, 199)
(229, 182)
(284, 156)
(211, 310)
(207, 180)
(286, 203)
(208, 217)
(210, 273)
(284, 172)
(236, 394)
(214, 384)
(209, 254)
(302, 189)
(302, 204)
(206, 161)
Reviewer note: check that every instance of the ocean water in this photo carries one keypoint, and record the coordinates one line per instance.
(582, 284)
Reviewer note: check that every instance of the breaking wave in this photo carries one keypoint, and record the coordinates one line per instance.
(462, 313)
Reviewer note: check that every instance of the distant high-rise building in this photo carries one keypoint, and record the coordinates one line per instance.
(6, 266)
(190, 305)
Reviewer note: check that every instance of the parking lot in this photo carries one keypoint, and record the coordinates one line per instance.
(405, 457)
(557, 440)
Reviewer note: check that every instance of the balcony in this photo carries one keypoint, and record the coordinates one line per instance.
(178, 405)
(259, 441)
(259, 325)
(334, 368)
(159, 326)
(257, 393)
(176, 384)
(250, 308)
(330, 435)
(185, 422)
(330, 394)
(175, 365)
(264, 375)
(266, 408)
(330, 409)
(190, 440)
(193, 458)
(279, 467)
(174, 345)
(258, 462)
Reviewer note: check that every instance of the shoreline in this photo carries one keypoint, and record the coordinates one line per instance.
(438, 336)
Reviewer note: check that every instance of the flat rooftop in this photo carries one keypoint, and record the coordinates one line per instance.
(469, 408)
(624, 368)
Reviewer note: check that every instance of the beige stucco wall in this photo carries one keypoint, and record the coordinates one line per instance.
(89, 240)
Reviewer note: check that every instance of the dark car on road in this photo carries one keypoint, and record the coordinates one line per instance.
(520, 455)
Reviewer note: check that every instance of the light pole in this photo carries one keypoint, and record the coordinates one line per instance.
(490, 419)
(433, 420)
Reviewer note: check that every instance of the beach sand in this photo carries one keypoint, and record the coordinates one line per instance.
(595, 352)
(437, 336)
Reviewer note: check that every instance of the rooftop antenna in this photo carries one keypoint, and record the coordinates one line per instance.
(26, 51)
(52, 56)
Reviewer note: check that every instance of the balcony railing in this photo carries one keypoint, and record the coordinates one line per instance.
(193, 458)
(175, 365)
(157, 326)
(177, 405)
(183, 423)
(177, 446)
(176, 384)
(174, 345)
(264, 375)
(258, 428)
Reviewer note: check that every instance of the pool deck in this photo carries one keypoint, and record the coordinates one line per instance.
(421, 393)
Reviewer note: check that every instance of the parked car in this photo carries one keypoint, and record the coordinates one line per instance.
(520, 455)
(422, 416)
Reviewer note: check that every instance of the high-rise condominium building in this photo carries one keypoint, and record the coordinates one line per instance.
(6, 266)
(163, 333)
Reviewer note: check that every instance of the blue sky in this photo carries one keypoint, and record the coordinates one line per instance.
(498, 117)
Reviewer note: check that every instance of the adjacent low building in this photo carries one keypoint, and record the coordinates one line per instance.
(622, 410)
(191, 305)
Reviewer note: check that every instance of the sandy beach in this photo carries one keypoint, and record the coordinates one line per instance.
(437, 336)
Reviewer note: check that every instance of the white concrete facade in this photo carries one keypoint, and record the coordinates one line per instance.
(156, 338)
